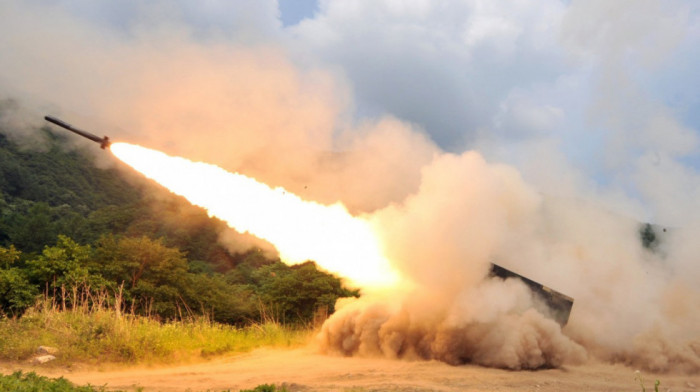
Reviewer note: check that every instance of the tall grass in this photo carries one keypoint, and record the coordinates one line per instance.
(91, 331)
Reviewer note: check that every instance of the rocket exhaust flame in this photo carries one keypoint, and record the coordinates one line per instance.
(300, 230)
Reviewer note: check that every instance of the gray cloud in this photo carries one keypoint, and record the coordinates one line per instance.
(445, 66)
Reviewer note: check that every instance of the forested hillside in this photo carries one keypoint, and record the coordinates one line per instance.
(70, 229)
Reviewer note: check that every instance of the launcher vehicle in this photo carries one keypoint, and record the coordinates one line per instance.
(557, 304)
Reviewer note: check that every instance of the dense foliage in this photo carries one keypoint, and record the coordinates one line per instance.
(67, 226)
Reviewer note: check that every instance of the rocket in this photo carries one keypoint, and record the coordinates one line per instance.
(103, 141)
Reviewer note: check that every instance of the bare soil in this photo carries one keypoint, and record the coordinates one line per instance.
(304, 370)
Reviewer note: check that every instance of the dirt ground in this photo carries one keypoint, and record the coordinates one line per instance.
(304, 370)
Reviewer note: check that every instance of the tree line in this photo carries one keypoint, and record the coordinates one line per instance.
(69, 228)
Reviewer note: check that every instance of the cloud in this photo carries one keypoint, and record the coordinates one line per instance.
(445, 66)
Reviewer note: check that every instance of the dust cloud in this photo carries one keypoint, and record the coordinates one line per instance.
(630, 306)
(441, 217)
(503, 338)
(443, 238)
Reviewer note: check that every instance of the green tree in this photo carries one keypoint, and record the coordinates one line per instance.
(131, 260)
(152, 273)
(221, 301)
(16, 293)
(8, 256)
(296, 293)
(61, 266)
(648, 237)
(30, 231)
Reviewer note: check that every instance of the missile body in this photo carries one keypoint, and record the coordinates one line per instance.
(103, 141)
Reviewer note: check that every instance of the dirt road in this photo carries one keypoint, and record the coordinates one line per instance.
(303, 370)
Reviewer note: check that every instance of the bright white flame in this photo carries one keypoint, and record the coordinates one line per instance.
(300, 230)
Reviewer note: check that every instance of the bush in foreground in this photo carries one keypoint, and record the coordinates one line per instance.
(31, 382)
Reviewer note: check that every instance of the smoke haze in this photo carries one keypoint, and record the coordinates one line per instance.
(465, 134)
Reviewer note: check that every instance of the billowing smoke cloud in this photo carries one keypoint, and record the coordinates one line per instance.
(443, 238)
(306, 108)
(468, 213)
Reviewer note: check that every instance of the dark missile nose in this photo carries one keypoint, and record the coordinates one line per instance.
(58, 122)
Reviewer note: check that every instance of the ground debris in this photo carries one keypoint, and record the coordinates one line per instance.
(294, 387)
(42, 359)
(47, 350)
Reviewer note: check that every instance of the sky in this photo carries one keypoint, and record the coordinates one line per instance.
(294, 11)
(591, 98)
